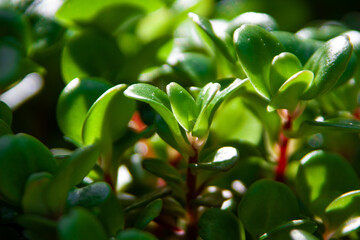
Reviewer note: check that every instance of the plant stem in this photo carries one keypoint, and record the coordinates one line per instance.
(191, 210)
(283, 144)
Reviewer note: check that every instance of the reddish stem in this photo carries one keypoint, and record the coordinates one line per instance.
(108, 179)
(356, 113)
(192, 214)
(283, 144)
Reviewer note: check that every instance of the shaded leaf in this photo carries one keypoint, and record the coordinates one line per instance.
(151, 211)
(5, 113)
(134, 234)
(77, 225)
(20, 156)
(162, 169)
(267, 205)
(219, 224)
(147, 198)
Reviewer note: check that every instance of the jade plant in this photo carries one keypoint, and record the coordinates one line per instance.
(176, 126)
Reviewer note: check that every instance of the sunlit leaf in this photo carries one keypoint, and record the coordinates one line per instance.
(256, 49)
(321, 178)
(261, 19)
(327, 64)
(220, 160)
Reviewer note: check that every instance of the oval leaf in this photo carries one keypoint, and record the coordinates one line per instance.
(221, 160)
(321, 178)
(256, 48)
(217, 224)
(74, 102)
(266, 206)
(151, 211)
(134, 234)
(328, 63)
(162, 169)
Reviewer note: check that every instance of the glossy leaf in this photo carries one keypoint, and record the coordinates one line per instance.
(71, 171)
(308, 127)
(301, 48)
(256, 48)
(158, 100)
(323, 31)
(206, 26)
(211, 101)
(107, 120)
(20, 156)
(261, 19)
(99, 198)
(283, 66)
(182, 105)
(91, 54)
(151, 211)
(219, 224)
(162, 169)
(321, 178)
(285, 230)
(266, 206)
(354, 37)
(81, 225)
(301, 234)
(74, 103)
(342, 210)
(288, 95)
(327, 64)
(134, 234)
(220, 160)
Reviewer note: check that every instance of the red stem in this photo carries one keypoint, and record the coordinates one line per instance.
(192, 214)
(283, 144)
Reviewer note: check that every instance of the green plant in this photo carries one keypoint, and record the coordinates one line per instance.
(180, 127)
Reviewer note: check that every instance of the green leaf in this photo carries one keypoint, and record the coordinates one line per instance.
(151, 211)
(321, 178)
(134, 234)
(288, 95)
(300, 234)
(327, 64)
(5, 113)
(107, 120)
(283, 66)
(256, 48)
(309, 127)
(37, 227)
(4, 128)
(158, 100)
(80, 11)
(20, 156)
(147, 198)
(99, 198)
(266, 206)
(343, 211)
(74, 103)
(80, 224)
(284, 230)
(71, 171)
(32, 201)
(197, 68)
(206, 26)
(322, 31)
(260, 19)
(182, 105)
(210, 100)
(354, 37)
(91, 54)
(301, 48)
(162, 169)
(222, 159)
(217, 224)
